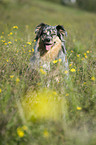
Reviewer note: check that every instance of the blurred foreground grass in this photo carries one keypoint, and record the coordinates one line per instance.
(78, 126)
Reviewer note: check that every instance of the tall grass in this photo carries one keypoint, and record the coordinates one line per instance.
(78, 92)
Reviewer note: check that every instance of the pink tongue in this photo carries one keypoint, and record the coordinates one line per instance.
(48, 47)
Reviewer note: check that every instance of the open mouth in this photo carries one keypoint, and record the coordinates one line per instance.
(48, 46)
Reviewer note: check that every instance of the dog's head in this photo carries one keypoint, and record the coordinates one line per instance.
(47, 36)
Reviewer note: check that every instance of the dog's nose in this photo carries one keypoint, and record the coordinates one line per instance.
(47, 39)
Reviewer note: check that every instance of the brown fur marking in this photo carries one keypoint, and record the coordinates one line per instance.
(53, 53)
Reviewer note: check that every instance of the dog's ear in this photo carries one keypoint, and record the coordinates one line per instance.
(39, 30)
(61, 33)
(61, 30)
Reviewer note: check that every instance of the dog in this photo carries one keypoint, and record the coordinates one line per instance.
(49, 46)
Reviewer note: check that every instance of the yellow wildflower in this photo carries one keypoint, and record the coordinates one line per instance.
(20, 132)
(29, 50)
(66, 71)
(11, 76)
(59, 60)
(72, 51)
(87, 51)
(7, 60)
(2, 32)
(0, 90)
(15, 27)
(78, 55)
(84, 83)
(17, 80)
(46, 134)
(93, 78)
(55, 61)
(1, 36)
(29, 43)
(72, 70)
(9, 42)
(5, 43)
(11, 33)
(67, 95)
(55, 93)
(32, 50)
(42, 71)
(70, 64)
(34, 40)
(84, 54)
(79, 108)
(15, 40)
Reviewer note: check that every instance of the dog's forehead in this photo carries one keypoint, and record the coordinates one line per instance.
(50, 28)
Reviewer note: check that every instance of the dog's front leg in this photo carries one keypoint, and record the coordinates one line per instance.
(63, 56)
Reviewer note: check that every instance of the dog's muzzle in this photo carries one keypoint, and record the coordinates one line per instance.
(48, 43)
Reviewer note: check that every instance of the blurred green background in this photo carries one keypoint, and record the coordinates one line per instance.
(89, 5)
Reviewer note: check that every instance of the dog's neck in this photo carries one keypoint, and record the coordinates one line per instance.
(53, 52)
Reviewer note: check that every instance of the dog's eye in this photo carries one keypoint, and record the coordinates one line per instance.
(53, 34)
(44, 33)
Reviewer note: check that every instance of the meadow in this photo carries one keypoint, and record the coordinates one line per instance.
(69, 112)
